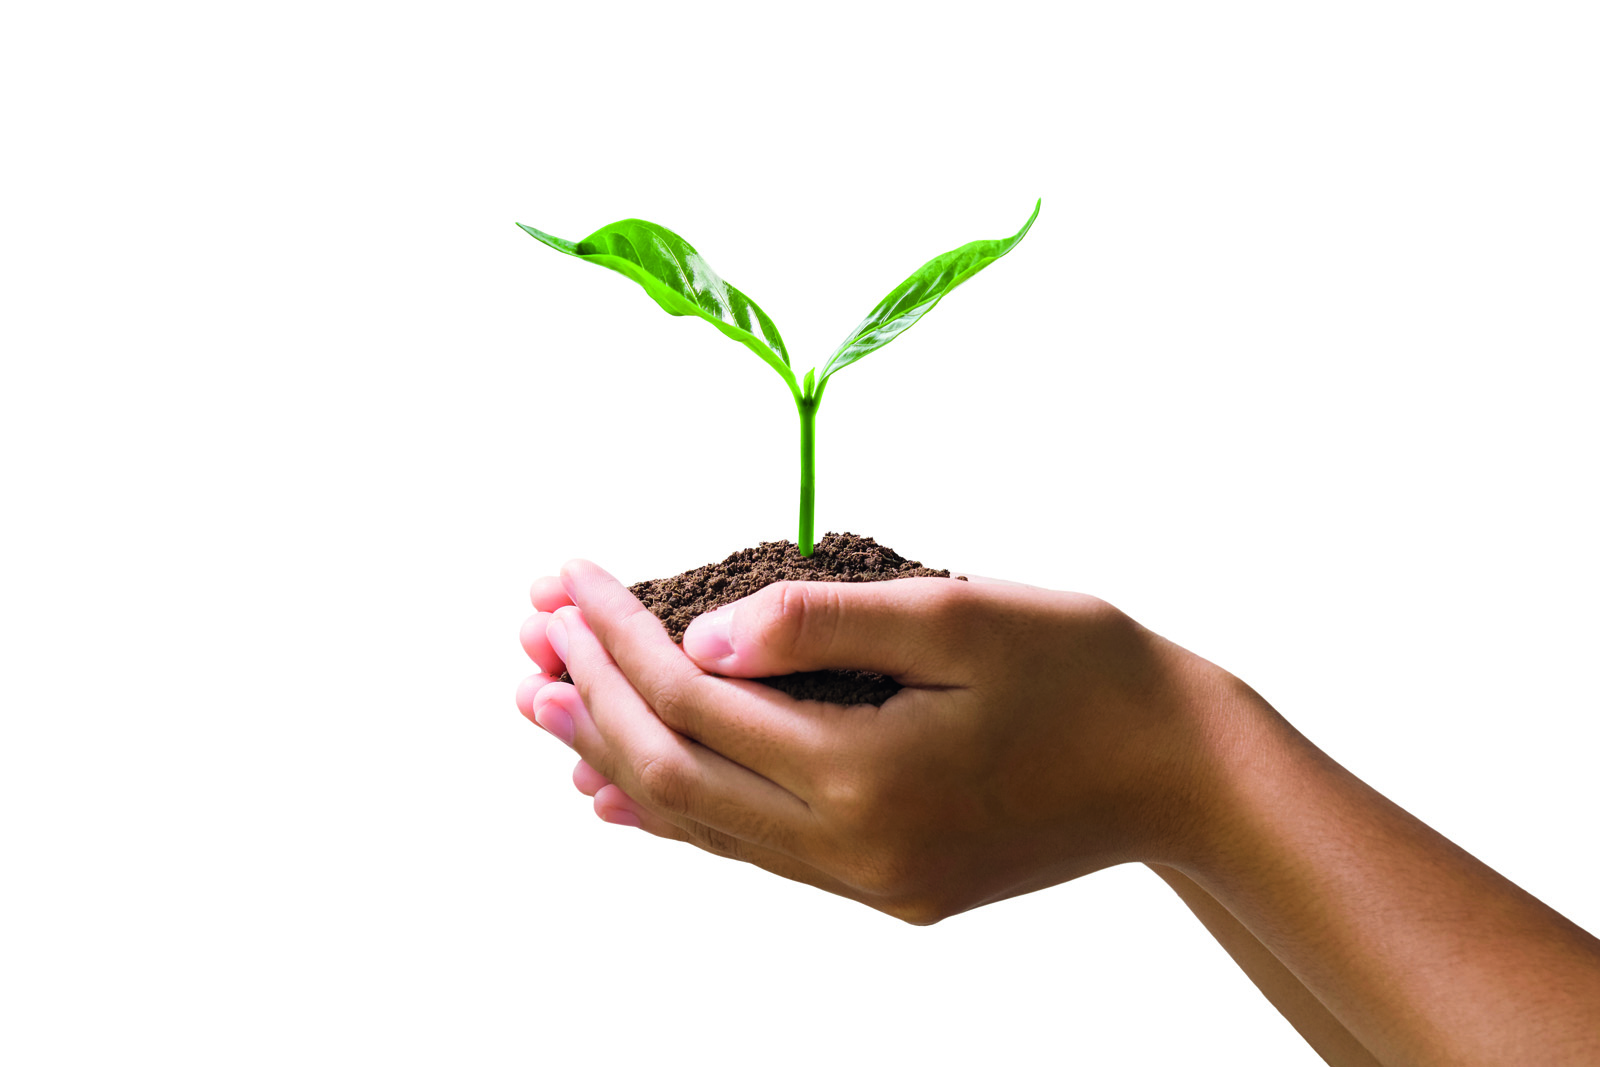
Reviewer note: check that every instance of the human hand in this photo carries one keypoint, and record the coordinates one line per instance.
(1040, 735)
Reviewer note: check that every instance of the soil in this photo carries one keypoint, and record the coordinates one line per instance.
(836, 558)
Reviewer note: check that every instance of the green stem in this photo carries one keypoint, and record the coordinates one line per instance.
(808, 470)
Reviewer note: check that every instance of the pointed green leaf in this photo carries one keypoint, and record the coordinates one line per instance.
(916, 296)
(682, 283)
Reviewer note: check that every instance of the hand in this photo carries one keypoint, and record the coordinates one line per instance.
(1040, 735)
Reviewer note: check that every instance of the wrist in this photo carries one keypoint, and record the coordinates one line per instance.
(1234, 743)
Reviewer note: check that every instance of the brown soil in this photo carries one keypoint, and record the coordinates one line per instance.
(836, 558)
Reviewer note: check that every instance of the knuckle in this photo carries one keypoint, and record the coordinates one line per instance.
(949, 598)
(1104, 622)
(847, 797)
(680, 700)
(861, 805)
(949, 609)
(663, 782)
(672, 703)
(1100, 612)
(806, 618)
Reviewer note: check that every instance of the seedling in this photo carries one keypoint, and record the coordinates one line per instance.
(682, 283)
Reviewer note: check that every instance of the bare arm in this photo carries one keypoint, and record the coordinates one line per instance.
(1324, 1033)
(1424, 954)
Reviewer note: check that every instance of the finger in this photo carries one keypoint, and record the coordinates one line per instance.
(753, 725)
(559, 710)
(614, 806)
(610, 801)
(588, 780)
(547, 594)
(537, 646)
(906, 628)
(616, 732)
(528, 689)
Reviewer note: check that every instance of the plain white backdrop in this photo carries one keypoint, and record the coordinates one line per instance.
(1297, 366)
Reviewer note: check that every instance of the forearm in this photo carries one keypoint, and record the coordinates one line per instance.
(1324, 1033)
(1423, 953)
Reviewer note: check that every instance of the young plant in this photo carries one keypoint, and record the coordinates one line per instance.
(672, 272)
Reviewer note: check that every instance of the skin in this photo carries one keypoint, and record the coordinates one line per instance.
(1042, 736)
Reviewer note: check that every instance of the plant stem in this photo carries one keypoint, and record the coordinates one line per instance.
(808, 470)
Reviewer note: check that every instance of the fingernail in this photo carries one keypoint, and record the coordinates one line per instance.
(623, 818)
(555, 720)
(567, 583)
(556, 633)
(709, 636)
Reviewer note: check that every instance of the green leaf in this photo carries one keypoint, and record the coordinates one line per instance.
(681, 282)
(916, 296)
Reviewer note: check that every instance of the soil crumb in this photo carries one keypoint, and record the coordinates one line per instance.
(838, 557)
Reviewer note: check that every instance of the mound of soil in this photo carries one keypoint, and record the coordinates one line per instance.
(836, 558)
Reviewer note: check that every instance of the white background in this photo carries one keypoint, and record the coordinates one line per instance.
(1297, 366)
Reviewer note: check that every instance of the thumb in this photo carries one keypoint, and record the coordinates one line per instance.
(902, 628)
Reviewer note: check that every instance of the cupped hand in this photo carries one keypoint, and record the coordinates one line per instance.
(1039, 735)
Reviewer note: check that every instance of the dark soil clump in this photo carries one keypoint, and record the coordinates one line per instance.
(837, 558)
